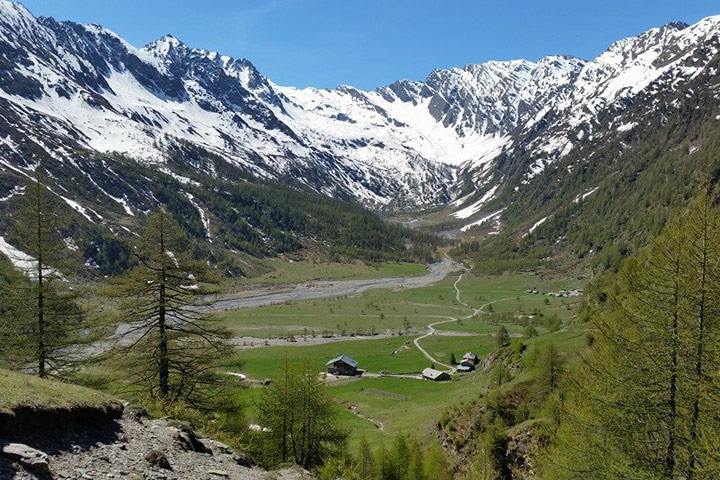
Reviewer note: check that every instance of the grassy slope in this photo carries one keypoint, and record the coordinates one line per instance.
(17, 389)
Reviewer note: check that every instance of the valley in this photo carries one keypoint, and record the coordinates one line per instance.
(507, 270)
(383, 330)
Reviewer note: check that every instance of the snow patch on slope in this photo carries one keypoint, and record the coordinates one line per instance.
(20, 260)
(475, 207)
(492, 216)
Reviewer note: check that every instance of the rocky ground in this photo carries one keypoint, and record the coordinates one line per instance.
(134, 448)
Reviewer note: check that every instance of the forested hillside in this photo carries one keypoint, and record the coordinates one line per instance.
(612, 196)
(225, 217)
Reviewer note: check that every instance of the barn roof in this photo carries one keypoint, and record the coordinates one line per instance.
(432, 373)
(345, 359)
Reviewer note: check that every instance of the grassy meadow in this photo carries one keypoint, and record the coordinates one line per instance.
(400, 404)
(285, 270)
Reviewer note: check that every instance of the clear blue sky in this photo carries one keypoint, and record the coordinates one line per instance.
(368, 43)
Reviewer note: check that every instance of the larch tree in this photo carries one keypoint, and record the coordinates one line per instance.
(502, 337)
(170, 347)
(302, 425)
(643, 404)
(365, 460)
(548, 370)
(46, 319)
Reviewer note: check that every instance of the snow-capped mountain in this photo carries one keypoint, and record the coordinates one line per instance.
(66, 86)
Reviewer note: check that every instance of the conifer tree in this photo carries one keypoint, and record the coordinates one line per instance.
(502, 337)
(436, 466)
(172, 350)
(643, 404)
(548, 371)
(300, 418)
(365, 461)
(46, 319)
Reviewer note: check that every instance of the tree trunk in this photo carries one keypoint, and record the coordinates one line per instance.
(163, 361)
(692, 466)
(670, 456)
(40, 294)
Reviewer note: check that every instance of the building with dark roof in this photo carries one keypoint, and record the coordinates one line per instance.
(342, 365)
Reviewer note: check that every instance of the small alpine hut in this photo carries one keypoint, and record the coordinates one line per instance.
(435, 375)
(471, 357)
(466, 366)
(343, 365)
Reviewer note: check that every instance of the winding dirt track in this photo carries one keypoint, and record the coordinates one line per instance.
(433, 331)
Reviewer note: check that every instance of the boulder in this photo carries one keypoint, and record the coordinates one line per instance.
(188, 440)
(244, 460)
(158, 459)
(28, 457)
(218, 448)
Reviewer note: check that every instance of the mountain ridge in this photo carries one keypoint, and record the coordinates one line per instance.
(472, 139)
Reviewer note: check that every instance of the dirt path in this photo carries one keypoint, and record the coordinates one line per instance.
(378, 424)
(433, 331)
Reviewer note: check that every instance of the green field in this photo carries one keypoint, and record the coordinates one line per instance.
(403, 404)
(284, 271)
(400, 404)
(397, 404)
(373, 355)
(383, 311)
(375, 310)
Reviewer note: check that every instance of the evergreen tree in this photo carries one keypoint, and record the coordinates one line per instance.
(173, 350)
(382, 462)
(436, 466)
(46, 319)
(399, 455)
(365, 461)
(529, 332)
(303, 426)
(643, 404)
(502, 337)
(548, 371)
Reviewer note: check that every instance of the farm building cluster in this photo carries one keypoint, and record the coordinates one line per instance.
(345, 366)
(468, 362)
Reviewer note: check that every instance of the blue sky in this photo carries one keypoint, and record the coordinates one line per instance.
(368, 43)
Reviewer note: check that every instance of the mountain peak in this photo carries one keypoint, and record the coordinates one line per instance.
(7, 5)
(165, 45)
(15, 13)
(678, 25)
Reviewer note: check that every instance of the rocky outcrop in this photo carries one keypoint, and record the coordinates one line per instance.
(525, 441)
(132, 447)
(24, 420)
(32, 459)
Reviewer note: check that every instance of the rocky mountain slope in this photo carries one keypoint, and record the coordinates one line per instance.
(479, 139)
